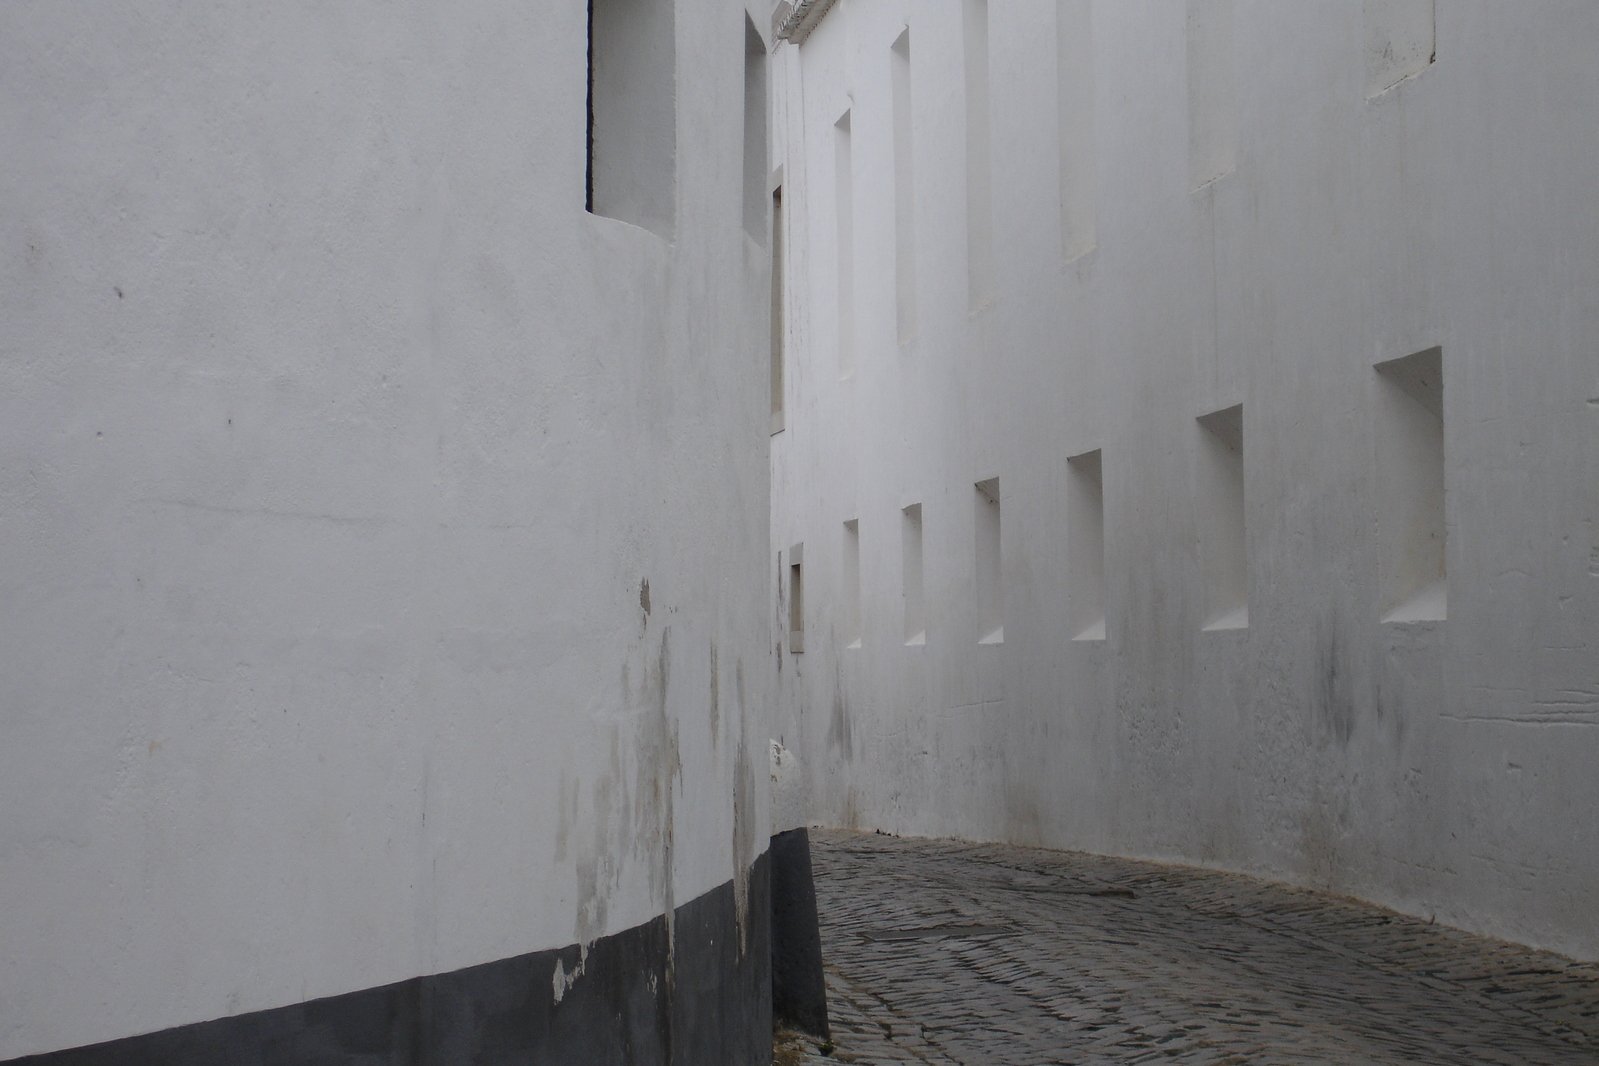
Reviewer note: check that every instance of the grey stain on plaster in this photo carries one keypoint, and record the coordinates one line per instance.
(1332, 700)
(644, 597)
(631, 802)
(716, 699)
(840, 732)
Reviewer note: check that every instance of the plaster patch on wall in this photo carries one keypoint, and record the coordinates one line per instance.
(1401, 41)
(562, 981)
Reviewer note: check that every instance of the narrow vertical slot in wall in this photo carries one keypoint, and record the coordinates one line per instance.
(1074, 53)
(844, 275)
(1212, 95)
(1085, 545)
(904, 188)
(911, 554)
(1220, 516)
(777, 316)
(979, 168)
(990, 591)
(756, 169)
(632, 113)
(850, 599)
(796, 599)
(1401, 41)
(1410, 488)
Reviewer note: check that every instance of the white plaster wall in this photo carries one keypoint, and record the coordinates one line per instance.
(1444, 767)
(336, 443)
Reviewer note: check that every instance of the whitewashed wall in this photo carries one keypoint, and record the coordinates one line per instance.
(337, 445)
(1203, 205)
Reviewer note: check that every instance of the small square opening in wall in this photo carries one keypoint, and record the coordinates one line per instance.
(990, 590)
(796, 599)
(1410, 488)
(1085, 545)
(1219, 486)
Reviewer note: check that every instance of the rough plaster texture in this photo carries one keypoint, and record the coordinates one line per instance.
(381, 535)
(1441, 767)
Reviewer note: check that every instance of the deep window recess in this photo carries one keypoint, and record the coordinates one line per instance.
(756, 171)
(1220, 513)
(632, 112)
(990, 591)
(796, 599)
(1410, 488)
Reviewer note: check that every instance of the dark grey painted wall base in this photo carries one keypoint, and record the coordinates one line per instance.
(696, 998)
(799, 988)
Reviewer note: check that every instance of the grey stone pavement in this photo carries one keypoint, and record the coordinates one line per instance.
(946, 952)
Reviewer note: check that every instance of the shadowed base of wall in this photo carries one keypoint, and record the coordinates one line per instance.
(799, 988)
(699, 994)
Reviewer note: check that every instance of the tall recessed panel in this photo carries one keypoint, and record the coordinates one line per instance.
(904, 187)
(1410, 488)
(850, 630)
(632, 127)
(1085, 546)
(1219, 506)
(911, 549)
(990, 589)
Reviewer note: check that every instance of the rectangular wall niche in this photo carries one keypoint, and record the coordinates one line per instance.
(990, 591)
(904, 188)
(1085, 545)
(1212, 103)
(1220, 488)
(1410, 488)
(796, 599)
(632, 112)
(844, 276)
(850, 624)
(911, 548)
(756, 171)
(1400, 42)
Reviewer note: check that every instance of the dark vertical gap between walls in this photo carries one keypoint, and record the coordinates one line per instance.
(588, 167)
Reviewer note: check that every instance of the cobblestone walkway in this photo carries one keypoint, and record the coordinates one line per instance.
(945, 952)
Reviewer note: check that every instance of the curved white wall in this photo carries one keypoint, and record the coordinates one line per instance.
(1204, 205)
(337, 445)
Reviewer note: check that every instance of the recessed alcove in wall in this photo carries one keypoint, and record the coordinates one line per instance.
(844, 275)
(1410, 488)
(1212, 93)
(756, 171)
(979, 172)
(1219, 484)
(850, 572)
(911, 556)
(1085, 545)
(1401, 41)
(904, 187)
(632, 112)
(796, 599)
(990, 590)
